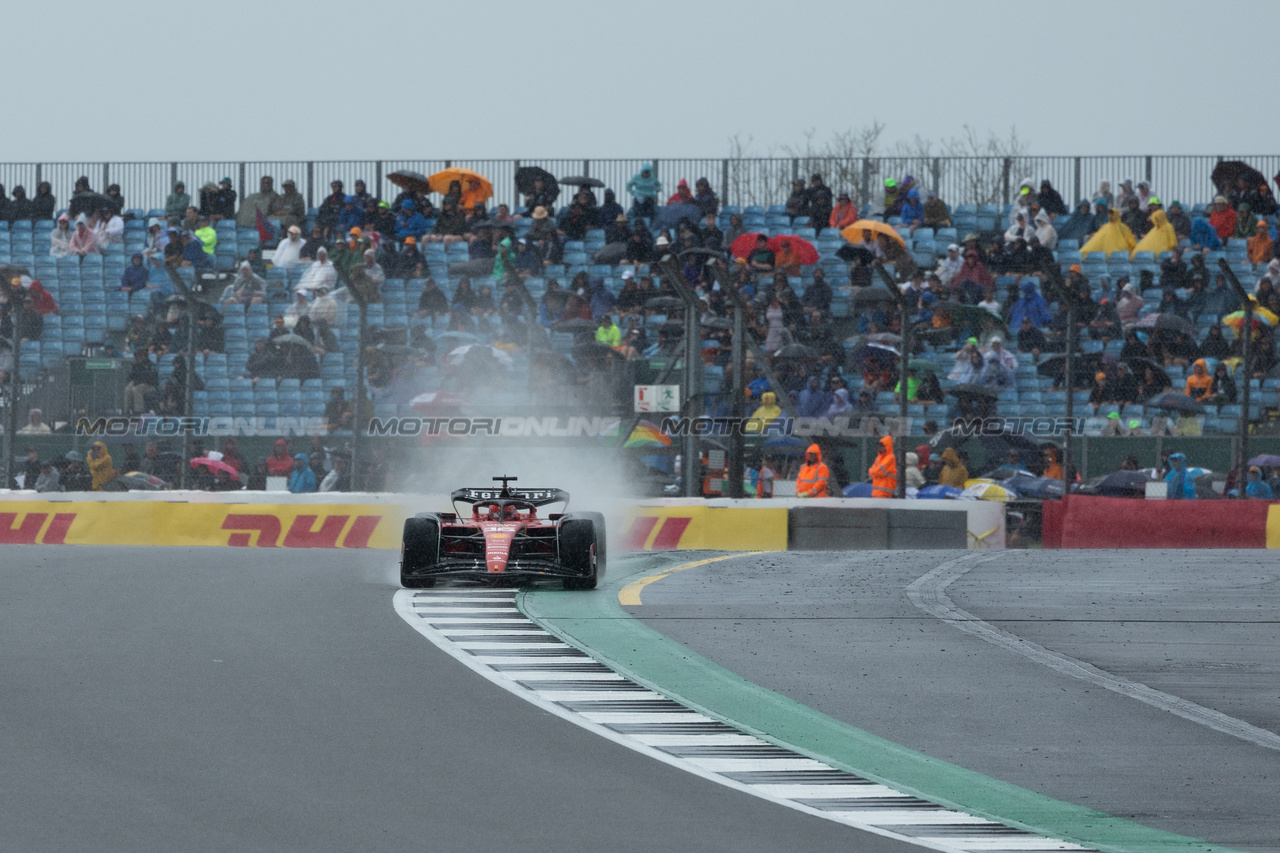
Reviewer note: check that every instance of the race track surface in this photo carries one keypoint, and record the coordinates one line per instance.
(838, 632)
(243, 700)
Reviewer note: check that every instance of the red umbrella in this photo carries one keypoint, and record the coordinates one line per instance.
(744, 245)
(215, 465)
(804, 251)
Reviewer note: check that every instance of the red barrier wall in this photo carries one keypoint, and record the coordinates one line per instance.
(1089, 522)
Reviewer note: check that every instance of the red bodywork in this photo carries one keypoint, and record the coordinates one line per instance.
(491, 532)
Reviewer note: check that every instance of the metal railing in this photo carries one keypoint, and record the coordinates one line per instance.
(739, 181)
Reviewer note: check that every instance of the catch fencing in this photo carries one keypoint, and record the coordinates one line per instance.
(739, 181)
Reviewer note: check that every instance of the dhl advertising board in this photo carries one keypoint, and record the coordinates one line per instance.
(704, 528)
(240, 525)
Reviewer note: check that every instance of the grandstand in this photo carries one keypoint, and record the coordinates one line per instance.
(93, 312)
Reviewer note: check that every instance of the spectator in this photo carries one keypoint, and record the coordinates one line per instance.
(1199, 384)
(644, 188)
(1045, 232)
(844, 214)
(1114, 236)
(263, 361)
(218, 203)
(1246, 222)
(1031, 339)
(35, 423)
(711, 235)
(83, 198)
(999, 367)
(48, 478)
(912, 212)
(1136, 218)
(1222, 219)
(28, 325)
(100, 466)
(60, 238)
(116, 200)
(290, 207)
(818, 295)
(330, 208)
(1223, 390)
(265, 201)
(762, 258)
(1032, 306)
(1255, 489)
(682, 195)
(210, 335)
(302, 479)
(1079, 225)
(300, 307)
(107, 226)
(338, 413)
(351, 215)
(1214, 344)
(289, 250)
(20, 209)
(44, 204)
(83, 242)
(246, 288)
(207, 236)
(1050, 200)
(193, 253)
(818, 201)
(451, 224)
(324, 308)
(1018, 230)
(339, 479)
(1260, 249)
(280, 463)
(703, 196)
(953, 472)
(1181, 485)
(320, 272)
(176, 204)
(936, 214)
(973, 278)
(1179, 220)
(136, 276)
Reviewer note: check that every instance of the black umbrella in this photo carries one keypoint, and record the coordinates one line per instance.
(90, 203)
(291, 340)
(863, 353)
(850, 253)
(882, 338)
(717, 323)
(1086, 365)
(1171, 322)
(1227, 172)
(526, 175)
(797, 351)
(610, 253)
(964, 313)
(664, 303)
(577, 324)
(872, 295)
(479, 268)
(1120, 484)
(581, 181)
(1138, 365)
(972, 390)
(1174, 402)
(710, 253)
(410, 180)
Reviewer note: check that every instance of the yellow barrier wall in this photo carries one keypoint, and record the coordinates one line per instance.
(1273, 526)
(249, 525)
(703, 528)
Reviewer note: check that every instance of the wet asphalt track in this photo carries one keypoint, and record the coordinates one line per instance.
(244, 700)
(1203, 626)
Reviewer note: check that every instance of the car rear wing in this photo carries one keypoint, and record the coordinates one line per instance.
(533, 497)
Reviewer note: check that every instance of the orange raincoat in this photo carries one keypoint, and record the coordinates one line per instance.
(811, 482)
(884, 471)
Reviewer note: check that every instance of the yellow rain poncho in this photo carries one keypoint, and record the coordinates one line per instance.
(1159, 239)
(768, 409)
(1115, 236)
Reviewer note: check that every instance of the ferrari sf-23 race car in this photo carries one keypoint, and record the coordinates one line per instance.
(503, 540)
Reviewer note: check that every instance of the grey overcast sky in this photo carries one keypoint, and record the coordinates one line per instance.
(229, 79)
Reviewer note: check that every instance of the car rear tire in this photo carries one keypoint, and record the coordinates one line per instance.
(579, 552)
(419, 550)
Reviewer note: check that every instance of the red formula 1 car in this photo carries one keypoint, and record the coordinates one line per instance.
(504, 540)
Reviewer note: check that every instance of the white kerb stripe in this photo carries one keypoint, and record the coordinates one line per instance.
(748, 765)
(828, 792)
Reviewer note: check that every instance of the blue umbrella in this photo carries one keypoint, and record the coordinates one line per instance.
(939, 492)
(857, 490)
(671, 214)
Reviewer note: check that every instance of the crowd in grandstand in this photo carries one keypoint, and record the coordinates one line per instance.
(984, 292)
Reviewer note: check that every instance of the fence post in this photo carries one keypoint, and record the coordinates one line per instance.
(311, 180)
(244, 190)
(516, 163)
(864, 191)
(1147, 175)
(173, 177)
(1077, 196)
(724, 181)
(936, 169)
(795, 168)
(106, 177)
(39, 175)
(377, 177)
(586, 168)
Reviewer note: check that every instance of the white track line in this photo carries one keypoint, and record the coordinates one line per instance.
(558, 688)
(929, 593)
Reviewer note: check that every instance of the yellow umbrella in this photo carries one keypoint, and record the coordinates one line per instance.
(986, 490)
(475, 187)
(853, 233)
